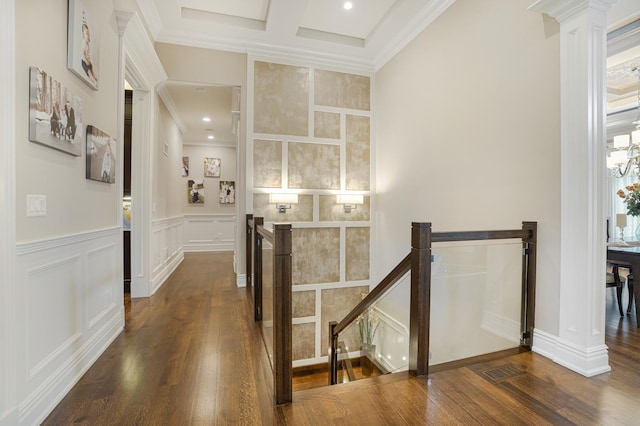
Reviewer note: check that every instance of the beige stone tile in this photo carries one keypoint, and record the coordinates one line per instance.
(304, 303)
(330, 211)
(358, 152)
(267, 164)
(342, 90)
(336, 303)
(303, 341)
(314, 166)
(326, 125)
(316, 255)
(357, 254)
(301, 212)
(281, 99)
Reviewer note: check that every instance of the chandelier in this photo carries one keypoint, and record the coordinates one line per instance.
(625, 155)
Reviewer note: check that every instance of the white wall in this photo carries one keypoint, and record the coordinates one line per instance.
(468, 134)
(68, 287)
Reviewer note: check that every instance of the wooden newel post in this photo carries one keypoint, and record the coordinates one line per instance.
(333, 354)
(248, 250)
(420, 304)
(257, 269)
(282, 328)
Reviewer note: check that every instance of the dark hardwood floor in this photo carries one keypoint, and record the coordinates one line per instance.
(192, 355)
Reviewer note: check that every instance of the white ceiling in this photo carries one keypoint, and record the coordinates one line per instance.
(316, 31)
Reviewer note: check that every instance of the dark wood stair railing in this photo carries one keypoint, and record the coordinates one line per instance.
(280, 239)
(419, 263)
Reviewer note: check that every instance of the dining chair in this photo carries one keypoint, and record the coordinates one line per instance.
(613, 280)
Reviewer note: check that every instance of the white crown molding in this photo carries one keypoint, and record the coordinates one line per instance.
(264, 49)
(564, 9)
(151, 16)
(139, 50)
(215, 144)
(165, 95)
(421, 21)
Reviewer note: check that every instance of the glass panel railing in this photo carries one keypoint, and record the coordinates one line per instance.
(476, 294)
(267, 297)
(377, 342)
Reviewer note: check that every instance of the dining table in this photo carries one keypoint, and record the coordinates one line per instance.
(626, 253)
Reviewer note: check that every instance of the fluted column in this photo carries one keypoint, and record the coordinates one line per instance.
(583, 26)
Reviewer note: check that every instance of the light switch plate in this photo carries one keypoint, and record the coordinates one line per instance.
(36, 205)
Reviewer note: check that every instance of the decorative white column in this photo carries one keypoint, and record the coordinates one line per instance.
(583, 27)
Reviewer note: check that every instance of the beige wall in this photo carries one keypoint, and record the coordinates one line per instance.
(468, 134)
(311, 135)
(74, 204)
(197, 154)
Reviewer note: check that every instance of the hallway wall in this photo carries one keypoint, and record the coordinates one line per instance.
(68, 287)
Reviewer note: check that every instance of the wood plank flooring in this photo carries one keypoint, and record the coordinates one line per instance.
(192, 355)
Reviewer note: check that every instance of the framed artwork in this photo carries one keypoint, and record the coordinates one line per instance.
(82, 44)
(101, 156)
(55, 114)
(212, 167)
(185, 166)
(195, 191)
(227, 192)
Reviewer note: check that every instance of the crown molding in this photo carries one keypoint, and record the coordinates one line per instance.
(565, 9)
(139, 50)
(151, 16)
(165, 95)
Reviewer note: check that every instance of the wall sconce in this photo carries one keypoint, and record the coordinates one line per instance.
(350, 201)
(283, 201)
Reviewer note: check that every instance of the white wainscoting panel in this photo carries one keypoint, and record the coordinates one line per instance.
(70, 307)
(209, 232)
(166, 249)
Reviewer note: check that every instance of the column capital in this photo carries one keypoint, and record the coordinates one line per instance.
(122, 18)
(565, 9)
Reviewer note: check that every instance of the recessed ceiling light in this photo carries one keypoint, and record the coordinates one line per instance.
(211, 137)
(348, 5)
(200, 89)
(206, 119)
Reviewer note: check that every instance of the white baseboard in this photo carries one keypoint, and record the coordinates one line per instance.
(241, 280)
(164, 272)
(585, 361)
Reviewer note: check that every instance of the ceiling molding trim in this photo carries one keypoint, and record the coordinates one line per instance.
(565, 9)
(215, 144)
(226, 44)
(140, 51)
(423, 19)
(165, 95)
(222, 19)
(623, 38)
(151, 16)
(330, 37)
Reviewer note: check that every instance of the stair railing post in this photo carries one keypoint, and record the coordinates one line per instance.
(282, 313)
(420, 303)
(333, 354)
(257, 269)
(248, 249)
(528, 308)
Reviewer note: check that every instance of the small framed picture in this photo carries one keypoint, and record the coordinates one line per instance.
(101, 156)
(195, 191)
(212, 167)
(185, 167)
(82, 44)
(227, 192)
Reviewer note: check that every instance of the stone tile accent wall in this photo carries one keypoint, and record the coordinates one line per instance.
(281, 101)
(357, 254)
(316, 255)
(326, 125)
(337, 89)
(311, 134)
(358, 152)
(267, 164)
(314, 166)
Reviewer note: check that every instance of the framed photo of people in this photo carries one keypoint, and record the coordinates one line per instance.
(55, 114)
(83, 44)
(101, 156)
(212, 167)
